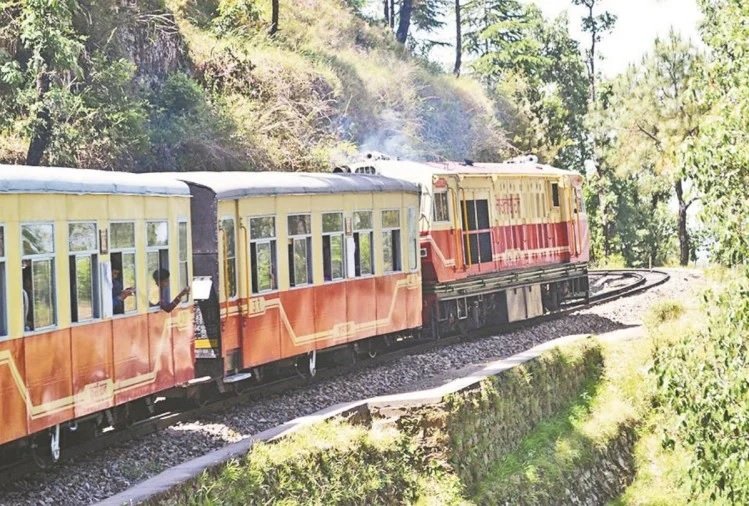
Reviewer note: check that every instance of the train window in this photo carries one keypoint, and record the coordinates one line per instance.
(263, 254)
(440, 209)
(3, 287)
(38, 275)
(184, 266)
(391, 240)
(413, 240)
(300, 249)
(363, 244)
(555, 194)
(332, 246)
(122, 256)
(83, 250)
(228, 237)
(157, 260)
(477, 246)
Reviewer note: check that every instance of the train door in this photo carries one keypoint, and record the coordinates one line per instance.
(477, 242)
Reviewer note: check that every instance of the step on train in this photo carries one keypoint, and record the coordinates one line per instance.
(97, 323)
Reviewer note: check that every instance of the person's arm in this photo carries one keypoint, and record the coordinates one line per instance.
(169, 306)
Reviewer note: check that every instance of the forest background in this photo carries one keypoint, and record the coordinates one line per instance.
(144, 85)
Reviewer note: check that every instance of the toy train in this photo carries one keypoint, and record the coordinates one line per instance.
(283, 267)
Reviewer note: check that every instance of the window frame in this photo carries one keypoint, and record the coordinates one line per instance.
(95, 288)
(270, 242)
(342, 234)
(123, 251)
(556, 199)
(397, 259)
(444, 193)
(307, 245)
(185, 301)
(371, 232)
(50, 256)
(4, 324)
(154, 308)
(225, 252)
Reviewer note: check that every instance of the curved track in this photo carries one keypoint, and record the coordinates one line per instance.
(611, 284)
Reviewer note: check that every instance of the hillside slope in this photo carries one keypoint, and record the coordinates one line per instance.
(198, 84)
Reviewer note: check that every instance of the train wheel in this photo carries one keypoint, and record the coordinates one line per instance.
(45, 448)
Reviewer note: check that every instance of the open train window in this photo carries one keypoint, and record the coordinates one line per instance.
(300, 249)
(3, 287)
(439, 207)
(228, 238)
(157, 261)
(391, 240)
(184, 266)
(333, 253)
(38, 275)
(84, 286)
(413, 240)
(122, 255)
(363, 244)
(555, 194)
(263, 254)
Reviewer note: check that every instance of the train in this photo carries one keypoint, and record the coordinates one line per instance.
(120, 289)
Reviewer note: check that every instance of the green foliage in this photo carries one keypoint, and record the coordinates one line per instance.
(535, 71)
(719, 157)
(702, 384)
(664, 311)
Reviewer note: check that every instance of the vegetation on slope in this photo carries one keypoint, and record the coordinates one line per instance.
(199, 84)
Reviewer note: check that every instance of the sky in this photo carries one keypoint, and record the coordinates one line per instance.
(639, 23)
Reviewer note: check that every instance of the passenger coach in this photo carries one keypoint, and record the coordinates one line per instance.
(68, 352)
(303, 263)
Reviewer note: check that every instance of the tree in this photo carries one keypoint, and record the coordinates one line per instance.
(596, 25)
(535, 71)
(718, 157)
(661, 113)
(274, 17)
(458, 40)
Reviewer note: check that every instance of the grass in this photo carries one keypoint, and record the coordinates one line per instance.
(555, 452)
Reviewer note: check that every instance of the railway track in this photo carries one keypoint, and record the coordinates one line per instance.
(609, 285)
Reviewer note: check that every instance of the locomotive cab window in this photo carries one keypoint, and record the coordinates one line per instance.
(228, 237)
(84, 286)
(300, 249)
(3, 287)
(391, 240)
(263, 254)
(332, 246)
(157, 261)
(122, 257)
(477, 244)
(38, 275)
(555, 194)
(440, 209)
(363, 244)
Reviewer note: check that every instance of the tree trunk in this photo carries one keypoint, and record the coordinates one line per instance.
(274, 17)
(42, 133)
(682, 224)
(386, 4)
(458, 40)
(592, 58)
(404, 21)
(392, 14)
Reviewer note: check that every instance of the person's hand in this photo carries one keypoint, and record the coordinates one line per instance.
(127, 292)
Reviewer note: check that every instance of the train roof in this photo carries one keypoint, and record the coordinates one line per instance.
(228, 185)
(422, 172)
(27, 179)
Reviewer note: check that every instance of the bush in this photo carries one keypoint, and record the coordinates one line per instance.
(702, 382)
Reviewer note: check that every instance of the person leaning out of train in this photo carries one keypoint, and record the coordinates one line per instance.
(161, 278)
(119, 292)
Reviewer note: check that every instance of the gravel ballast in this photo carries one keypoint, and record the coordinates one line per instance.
(105, 473)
